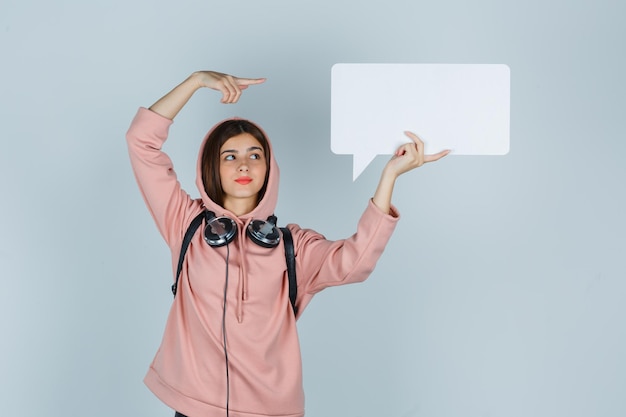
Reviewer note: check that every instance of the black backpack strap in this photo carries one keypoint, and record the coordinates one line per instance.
(291, 268)
(195, 223)
(290, 257)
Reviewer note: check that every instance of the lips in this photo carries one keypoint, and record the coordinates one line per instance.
(244, 180)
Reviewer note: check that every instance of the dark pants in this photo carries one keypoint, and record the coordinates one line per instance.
(179, 415)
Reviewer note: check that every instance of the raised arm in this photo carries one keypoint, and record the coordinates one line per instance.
(168, 203)
(170, 104)
(407, 157)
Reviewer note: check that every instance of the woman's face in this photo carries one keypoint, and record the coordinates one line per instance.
(242, 172)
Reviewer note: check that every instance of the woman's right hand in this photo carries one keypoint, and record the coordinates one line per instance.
(170, 104)
(230, 86)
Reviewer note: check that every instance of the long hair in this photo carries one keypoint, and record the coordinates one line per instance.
(211, 155)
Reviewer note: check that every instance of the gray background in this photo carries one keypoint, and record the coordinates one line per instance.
(500, 294)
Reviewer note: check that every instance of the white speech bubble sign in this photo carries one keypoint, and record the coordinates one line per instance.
(462, 107)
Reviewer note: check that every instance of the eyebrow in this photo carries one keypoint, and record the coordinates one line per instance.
(252, 148)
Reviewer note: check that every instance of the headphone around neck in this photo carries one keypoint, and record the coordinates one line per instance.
(220, 231)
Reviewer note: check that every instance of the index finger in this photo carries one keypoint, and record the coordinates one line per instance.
(245, 82)
(437, 156)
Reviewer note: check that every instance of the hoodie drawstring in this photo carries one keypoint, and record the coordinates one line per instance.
(242, 283)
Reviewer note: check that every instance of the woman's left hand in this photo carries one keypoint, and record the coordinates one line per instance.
(407, 157)
(410, 156)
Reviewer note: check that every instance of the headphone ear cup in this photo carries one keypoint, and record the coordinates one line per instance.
(263, 233)
(219, 231)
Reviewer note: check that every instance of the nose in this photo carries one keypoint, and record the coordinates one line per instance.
(243, 167)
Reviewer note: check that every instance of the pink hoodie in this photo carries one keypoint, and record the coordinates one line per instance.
(265, 372)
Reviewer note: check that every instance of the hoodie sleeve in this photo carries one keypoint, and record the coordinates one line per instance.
(167, 202)
(323, 263)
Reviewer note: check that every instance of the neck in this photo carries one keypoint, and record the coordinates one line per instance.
(239, 206)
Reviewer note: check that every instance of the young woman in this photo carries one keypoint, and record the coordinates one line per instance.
(230, 345)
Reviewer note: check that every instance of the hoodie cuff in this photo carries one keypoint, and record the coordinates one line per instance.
(149, 127)
(393, 215)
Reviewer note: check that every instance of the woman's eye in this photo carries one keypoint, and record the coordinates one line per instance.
(255, 156)
(229, 157)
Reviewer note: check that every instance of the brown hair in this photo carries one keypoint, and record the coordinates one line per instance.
(211, 155)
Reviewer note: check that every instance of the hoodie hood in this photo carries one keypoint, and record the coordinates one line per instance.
(262, 211)
(265, 207)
